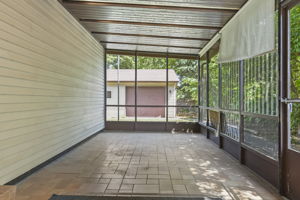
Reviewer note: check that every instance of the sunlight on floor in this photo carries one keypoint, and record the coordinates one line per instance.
(160, 164)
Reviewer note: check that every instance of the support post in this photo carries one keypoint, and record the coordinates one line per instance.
(167, 92)
(105, 89)
(241, 108)
(118, 88)
(220, 104)
(207, 92)
(282, 93)
(199, 88)
(135, 90)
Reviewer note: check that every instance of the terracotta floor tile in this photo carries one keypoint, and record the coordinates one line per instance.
(146, 189)
(92, 188)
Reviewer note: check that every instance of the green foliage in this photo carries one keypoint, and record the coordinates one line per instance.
(187, 89)
(230, 86)
(151, 63)
(295, 51)
(126, 62)
(295, 71)
(214, 82)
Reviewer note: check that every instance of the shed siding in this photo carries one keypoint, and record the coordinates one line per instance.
(51, 84)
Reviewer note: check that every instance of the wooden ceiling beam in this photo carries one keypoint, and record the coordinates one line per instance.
(150, 36)
(154, 45)
(151, 24)
(166, 7)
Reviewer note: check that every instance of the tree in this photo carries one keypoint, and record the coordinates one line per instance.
(295, 73)
(214, 82)
(187, 89)
(295, 51)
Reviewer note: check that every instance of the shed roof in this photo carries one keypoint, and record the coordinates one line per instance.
(143, 75)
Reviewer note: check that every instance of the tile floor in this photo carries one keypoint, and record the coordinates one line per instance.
(165, 164)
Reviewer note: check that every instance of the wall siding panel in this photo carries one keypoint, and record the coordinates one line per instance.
(51, 84)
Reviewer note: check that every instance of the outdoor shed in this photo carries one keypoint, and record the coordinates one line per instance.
(151, 91)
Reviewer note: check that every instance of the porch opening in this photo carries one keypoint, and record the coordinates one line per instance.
(165, 98)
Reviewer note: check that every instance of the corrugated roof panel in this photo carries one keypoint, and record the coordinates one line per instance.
(149, 40)
(235, 4)
(203, 18)
(149, 30)
(121, 47)
(151, 49)
(166, 26)
(183, 51)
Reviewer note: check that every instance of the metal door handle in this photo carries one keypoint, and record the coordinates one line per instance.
(290, 100)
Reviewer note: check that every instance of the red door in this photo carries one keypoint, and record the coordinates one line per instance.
(146, 96)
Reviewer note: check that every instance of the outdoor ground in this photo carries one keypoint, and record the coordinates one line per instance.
(165, 164)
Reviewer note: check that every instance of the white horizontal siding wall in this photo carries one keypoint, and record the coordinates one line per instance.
(51, 84)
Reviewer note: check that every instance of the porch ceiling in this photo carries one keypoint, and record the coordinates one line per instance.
(164, 26)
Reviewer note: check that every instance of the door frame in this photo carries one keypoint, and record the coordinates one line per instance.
(141, 104)
(285, 154)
